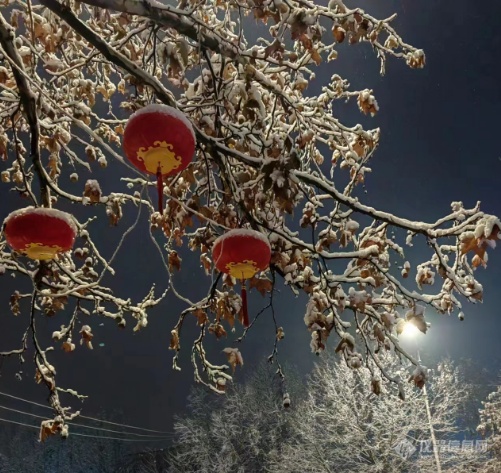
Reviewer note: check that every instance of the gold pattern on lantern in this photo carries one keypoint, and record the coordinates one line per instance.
(243, 270)
(160, 154)
(41, 252)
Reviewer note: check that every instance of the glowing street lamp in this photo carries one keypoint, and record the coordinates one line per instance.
(411, 331)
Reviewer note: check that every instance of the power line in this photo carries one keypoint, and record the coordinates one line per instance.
(158, 437)
(79, 435)
(87, 417)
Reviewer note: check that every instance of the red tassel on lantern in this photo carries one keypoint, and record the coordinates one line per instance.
(159, 140)
(160, 191)
(242, 253)
(245, 312)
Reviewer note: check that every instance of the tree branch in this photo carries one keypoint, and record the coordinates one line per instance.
(28, 100)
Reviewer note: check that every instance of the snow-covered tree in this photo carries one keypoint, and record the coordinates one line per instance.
(243, 431)
(270, 155)
(336, 423)
(490, 429)
(343, 425)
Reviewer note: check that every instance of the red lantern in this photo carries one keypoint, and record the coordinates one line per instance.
(159, 140)
(242, 253)
(40, 233)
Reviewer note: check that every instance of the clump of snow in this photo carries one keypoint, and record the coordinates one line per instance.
(286, 400)
(419, 376)
(415, 59)
(102, 162)
(347, 337)
(234, 352)
(417, 311)
(51, 213)
(164, 110)
(352, 226)
(278, 177)
(486, 225)
(354, 361)
(357, 297)
(424, 275)
(57, 335)
(316, 344)
(242, 232)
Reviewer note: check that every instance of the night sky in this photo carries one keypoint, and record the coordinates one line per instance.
(440, 143)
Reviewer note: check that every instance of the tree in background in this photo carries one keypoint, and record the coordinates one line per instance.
(241, 432)
(478, 381)
(344, 426)
(337, 423)
(270, 155)
(490, 429)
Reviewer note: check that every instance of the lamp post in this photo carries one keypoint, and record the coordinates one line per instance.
(411, 331)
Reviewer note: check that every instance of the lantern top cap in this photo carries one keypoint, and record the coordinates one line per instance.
(243, 232)
(164, 110)
(54, 213)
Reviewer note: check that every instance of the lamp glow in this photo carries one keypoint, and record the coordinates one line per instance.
(410, 330)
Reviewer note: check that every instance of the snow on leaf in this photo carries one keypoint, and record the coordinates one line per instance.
(263, 285)
(217, 329)
(234, 357)
(280, 333)
(174, 340)
(418, 377)
(416, 317)
(68, 346)
(201, 316)
(174, 261)
(87, 336)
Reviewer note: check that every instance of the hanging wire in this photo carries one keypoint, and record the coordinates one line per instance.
(87, 417)
(77, 434)
(159, 437)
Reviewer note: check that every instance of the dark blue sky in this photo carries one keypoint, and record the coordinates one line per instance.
(440, 143)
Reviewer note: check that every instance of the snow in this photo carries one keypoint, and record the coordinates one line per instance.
(286, 400)
(420, 372)
(419, 310)
(164, 110)
(278, 177)
(52, 213)
(357, 297)
(352, 226)
(348, 338)
(93, 186)
(236, 353)
(486, 225)
(244, 232)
